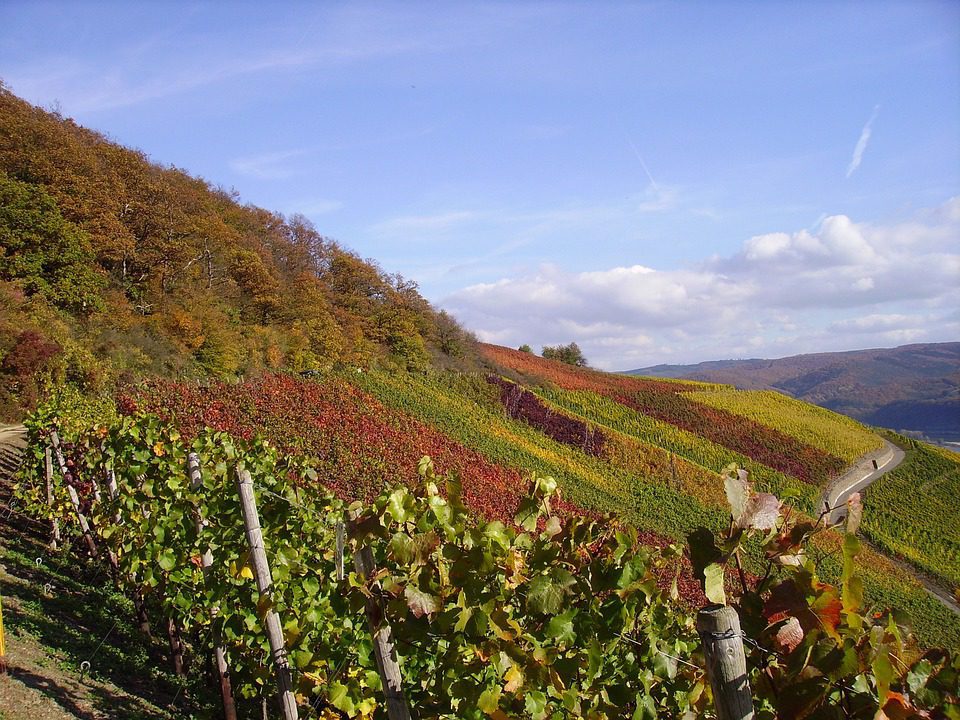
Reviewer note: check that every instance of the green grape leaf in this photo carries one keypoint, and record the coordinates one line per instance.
(167, 559)
(546, 593)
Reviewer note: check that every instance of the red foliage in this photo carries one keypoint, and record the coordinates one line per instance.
(29, 354)
(524, 405)
(360, 445)
(665, 401)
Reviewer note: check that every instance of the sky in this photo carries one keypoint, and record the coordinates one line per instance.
(659, 182)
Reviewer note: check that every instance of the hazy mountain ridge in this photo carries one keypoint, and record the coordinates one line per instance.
(908, 388)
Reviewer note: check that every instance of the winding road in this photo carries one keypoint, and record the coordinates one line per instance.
(868, 468)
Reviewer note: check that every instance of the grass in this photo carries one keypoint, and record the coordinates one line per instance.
(913, 511)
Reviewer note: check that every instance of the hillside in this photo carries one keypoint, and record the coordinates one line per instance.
(145, 314)
(114, 266)
(912, 388)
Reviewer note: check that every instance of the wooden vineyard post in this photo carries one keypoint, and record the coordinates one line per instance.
(341, 538)
(383, 647)
(48, 476)
(719, 628)
(219, 655)
(72, 492)
(261, 571)
(3, 644)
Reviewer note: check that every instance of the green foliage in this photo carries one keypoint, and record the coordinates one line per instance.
(912, 511)
(553, 616)
(820, 647)
(569, 354)
(45, 253)
(525, 348)
(489, 620)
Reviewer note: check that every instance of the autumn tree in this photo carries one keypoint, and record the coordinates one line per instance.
(48, 255)
(570, 354)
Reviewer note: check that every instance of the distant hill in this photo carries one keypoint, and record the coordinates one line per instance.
(913, 388)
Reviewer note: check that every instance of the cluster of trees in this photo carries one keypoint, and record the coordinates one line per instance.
(570, 354)
(118, 266)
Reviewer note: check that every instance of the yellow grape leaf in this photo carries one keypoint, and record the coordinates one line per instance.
(246, 572)
(514, 679)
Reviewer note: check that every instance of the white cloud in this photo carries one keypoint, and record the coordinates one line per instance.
(862, 143)
(840, 285)
(880, 322)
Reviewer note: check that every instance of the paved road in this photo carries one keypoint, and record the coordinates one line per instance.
(870, 467)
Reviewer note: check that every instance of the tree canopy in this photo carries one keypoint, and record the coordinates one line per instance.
(570, 354)
(130, 268)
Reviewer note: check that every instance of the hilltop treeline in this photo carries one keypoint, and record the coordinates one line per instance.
(112, 265)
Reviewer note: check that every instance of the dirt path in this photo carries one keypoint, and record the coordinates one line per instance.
(53, 622)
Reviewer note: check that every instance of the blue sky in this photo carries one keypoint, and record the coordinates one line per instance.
(661, 182)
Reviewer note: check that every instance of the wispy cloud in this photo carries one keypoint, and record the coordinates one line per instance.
(320, 206)
(268, 166)
(862, 143)
(646, 170)
(431, 224)
(167, 64)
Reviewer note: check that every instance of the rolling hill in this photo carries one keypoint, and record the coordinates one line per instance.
(913, 389)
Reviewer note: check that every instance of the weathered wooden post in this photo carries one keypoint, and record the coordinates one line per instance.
(206, 560)
(261, 571)
(341, 542)
(719, 628)
(383, 647)
(3, 644)
(72, 492)
(48, 476)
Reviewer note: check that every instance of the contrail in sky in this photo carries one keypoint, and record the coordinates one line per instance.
(862, 143)
(642, 163)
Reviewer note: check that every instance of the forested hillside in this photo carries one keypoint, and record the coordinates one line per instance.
(112, 265)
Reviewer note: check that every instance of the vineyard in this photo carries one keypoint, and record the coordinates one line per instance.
(830, 432)
(912, 511)
(241, 548)
(667, 401)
